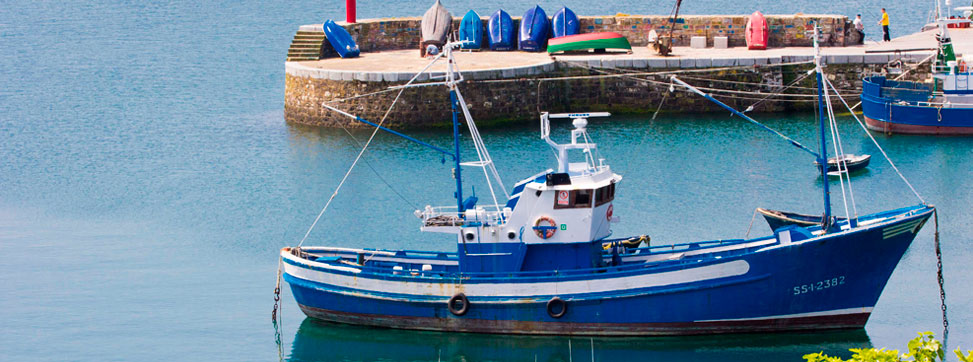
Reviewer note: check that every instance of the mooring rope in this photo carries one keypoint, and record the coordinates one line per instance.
(617, 75)
(747, 236)
(633, 76)
(792, 84)
(664, 96)
(798, 79)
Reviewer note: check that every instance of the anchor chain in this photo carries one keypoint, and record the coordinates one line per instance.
(273, 315)
(278, 317)
(939, 274)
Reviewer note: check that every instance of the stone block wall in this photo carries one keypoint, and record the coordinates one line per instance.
(521, 99)
(785, 30)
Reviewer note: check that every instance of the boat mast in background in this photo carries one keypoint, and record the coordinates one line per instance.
(823, 154)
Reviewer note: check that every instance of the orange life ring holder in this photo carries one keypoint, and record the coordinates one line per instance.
(545, 231)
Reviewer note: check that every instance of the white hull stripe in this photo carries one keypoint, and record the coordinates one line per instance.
(523, 290)
(897, 230)
(835, 312)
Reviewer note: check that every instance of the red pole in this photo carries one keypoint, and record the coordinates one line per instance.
(350, 11)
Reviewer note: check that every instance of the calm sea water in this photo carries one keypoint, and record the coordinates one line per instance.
(147, 180)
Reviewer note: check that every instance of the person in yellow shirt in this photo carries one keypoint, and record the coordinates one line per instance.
(885, 25)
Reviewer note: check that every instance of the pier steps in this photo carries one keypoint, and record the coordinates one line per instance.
(306, 46)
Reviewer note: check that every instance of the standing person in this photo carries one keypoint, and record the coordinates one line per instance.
(860, 28)
(885, 25)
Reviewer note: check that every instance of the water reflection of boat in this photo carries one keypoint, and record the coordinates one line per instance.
(318, 341)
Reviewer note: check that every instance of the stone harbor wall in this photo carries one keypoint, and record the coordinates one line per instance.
(785, 30)
(521, 95)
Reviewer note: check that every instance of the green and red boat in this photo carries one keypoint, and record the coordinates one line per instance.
(588, 41)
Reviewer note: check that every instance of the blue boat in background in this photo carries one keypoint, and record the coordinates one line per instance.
(539, 258)
(501, 28)
(564, 22)
(893, 106)
(534, 28)
(340, 40)
(471, 30)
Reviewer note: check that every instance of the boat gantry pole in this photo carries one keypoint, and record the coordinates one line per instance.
(823, 155)
(457, 170)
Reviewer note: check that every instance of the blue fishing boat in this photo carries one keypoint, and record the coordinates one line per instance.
(501, 31)
(532, 260)
(893, 106)
(471, 30)
(340, 40)
(534, 28)
(564, 22)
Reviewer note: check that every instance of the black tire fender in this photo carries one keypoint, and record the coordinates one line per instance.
(556, 304)
(458, 311)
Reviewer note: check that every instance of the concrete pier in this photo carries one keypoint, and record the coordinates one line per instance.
(515, 85)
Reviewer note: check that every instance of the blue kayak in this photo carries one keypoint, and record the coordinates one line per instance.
(533, 30)
(471, 29)
(501, 28)
(564, 23)
(340, 40)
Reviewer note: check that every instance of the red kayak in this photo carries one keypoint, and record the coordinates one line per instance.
(757, 32)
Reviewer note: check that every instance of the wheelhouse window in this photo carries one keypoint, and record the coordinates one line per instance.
(604, 195)
(572, 199)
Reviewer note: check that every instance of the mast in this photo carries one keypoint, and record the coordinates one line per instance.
(823, 155)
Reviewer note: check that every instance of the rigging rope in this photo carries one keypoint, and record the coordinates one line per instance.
(745, 117)
(367, 143)
(887, 158)
(411, 204)
(839, 154)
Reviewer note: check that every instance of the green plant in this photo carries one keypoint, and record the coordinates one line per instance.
(967, 358)
(924, 348)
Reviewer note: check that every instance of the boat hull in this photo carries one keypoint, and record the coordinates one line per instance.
(471, 30)
(758, 33)
(890, 127)
(534, 26)
(564, 23)
(851, 319)
(604, 40)
(501, 32)
(817, 283)
(340, 40)
(902, 107)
